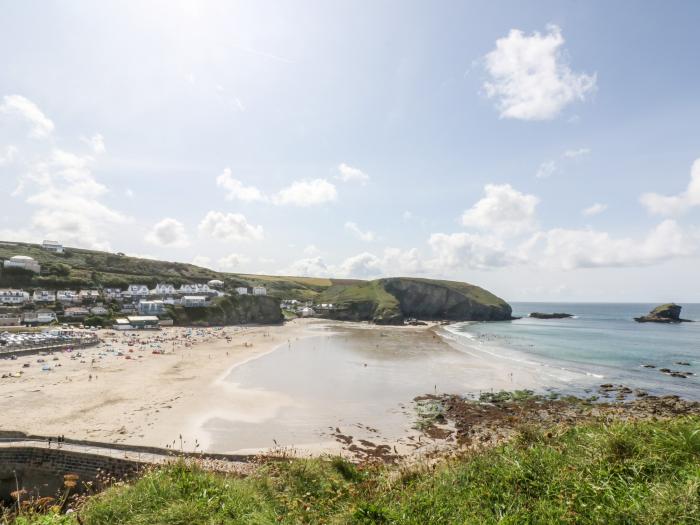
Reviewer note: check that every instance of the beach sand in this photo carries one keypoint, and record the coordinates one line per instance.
(154, 399)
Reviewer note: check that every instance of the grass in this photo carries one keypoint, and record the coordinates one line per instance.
(623, 473)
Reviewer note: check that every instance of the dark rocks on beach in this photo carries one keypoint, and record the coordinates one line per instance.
(666, 313)
(665, 370)
(540, 315)
(682, 363)
(649, 366)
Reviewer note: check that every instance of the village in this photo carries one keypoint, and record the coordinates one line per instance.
(135, 307)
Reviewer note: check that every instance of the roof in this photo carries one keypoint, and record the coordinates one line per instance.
(21, 258)
(122, 320)
(52, 242)
(142, 318)
(198, 297)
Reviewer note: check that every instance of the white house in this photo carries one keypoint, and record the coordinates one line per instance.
(39, 317)
(151, 307)
(23, 261)
(52, 246)
(306, 312)
(195, 289)
(67, 297)
(88, 295)
(163, 289)
(99, 310)
(137, 290)
(15, 297)
(43, 296)
(193, 301)
(112, 293)
(215, 283)
(242, 290)
(76, 311)
(259, 290)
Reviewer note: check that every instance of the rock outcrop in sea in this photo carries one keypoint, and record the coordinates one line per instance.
(665, 313)
(556, 315)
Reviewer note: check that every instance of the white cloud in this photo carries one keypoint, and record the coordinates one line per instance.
(236, 190)
(571, 249)
(504, 210)
(229, 227)
(366, 236)
(232, 262)
(96, 143)
(68, 201)
(8, 156)
(407, 216)
(307, 193)
(168, 232)
(595, 209)
(311, 250)
(350, 174)
(546, 169)
(530, 78)
(466, 250)
(42, 126)
(201, 260)
(307, 267)
(676, 204)
(576, 153)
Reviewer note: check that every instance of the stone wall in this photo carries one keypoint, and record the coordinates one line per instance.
(41, 470)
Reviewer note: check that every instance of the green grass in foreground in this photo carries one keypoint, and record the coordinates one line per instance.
(647, 473)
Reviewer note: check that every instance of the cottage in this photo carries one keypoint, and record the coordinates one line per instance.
(307, 312)
(52, 246)
(114, 294)
(122, 323)
(43, 296)
(99, 310)
(86, 296)
(13, 297)
(137, 290)
(259, 290)
(67, 297)
(195, 289)
(76, 312)
(163, 289)
(39, 317)
(242, 290)
(23, 261)
(151, 307)
(194, 301)
(10, 318)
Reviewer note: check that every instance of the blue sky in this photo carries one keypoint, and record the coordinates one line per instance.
(543, 150)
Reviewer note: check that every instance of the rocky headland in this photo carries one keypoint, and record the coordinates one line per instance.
(665, 313)
(556, 315)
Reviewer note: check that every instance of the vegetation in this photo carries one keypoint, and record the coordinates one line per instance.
(622, 473)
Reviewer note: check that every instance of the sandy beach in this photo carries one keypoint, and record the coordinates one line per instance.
(126, 391)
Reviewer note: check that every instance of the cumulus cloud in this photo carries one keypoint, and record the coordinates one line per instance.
(168, 233)
(229, 227)
(595, 209)
(232, 262)
(307, 192)
(530, 78)
(307, 267)
(350, 174)
(201, 260)
(466, 250)
(675, 204)
(366, 236)
(68, 199)
(236, 190)
(8, 155)
(96, 143)
(503, 210)
(41, 125)
(571, 249)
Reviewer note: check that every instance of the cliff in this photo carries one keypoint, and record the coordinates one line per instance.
(230, 310)
(665, 313)
(390, 301)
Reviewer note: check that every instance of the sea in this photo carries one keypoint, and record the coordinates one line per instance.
(601, 344)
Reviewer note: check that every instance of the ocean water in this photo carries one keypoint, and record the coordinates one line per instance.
(601, 344)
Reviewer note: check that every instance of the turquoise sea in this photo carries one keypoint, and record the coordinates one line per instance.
(601, 344)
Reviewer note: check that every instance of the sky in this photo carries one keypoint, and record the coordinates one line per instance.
(545, 150)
